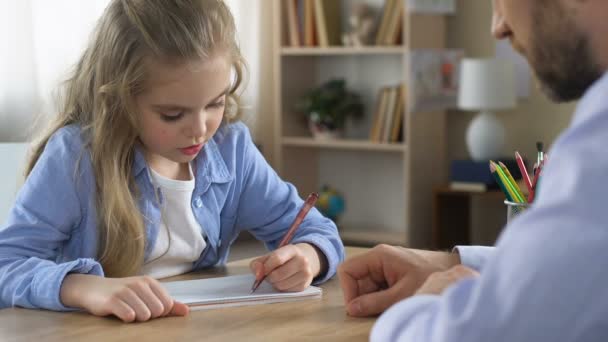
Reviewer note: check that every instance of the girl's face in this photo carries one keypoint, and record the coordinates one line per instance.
(181, 109)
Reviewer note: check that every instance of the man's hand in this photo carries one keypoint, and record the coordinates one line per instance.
(437, 282)
(373, 281)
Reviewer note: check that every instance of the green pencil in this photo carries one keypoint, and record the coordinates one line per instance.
(510, 187)
(499, 182)
(513, 182)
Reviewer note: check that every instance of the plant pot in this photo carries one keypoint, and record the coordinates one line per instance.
(320, 132)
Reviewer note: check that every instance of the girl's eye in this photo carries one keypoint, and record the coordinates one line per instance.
(171, 117)
(219, 104)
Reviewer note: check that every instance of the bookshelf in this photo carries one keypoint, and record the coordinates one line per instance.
(387, 186)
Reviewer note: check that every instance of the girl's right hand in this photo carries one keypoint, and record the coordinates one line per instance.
(131, 299)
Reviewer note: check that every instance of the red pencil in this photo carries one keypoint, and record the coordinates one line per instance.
(537, 173)
(310, 202)
(524, 171)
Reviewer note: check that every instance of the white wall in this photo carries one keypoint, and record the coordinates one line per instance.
(40, 41)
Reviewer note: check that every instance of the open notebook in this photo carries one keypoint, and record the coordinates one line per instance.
(232, 291)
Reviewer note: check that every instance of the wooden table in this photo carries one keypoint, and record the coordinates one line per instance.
(313, 320)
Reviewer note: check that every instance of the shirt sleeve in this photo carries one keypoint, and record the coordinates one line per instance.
(546, 279)
(474, 256)
(46, 210)
(268, 206)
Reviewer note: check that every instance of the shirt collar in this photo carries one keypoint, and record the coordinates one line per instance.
(593, 102)
(209, 164)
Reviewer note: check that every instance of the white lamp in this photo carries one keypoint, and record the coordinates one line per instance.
(486, 85)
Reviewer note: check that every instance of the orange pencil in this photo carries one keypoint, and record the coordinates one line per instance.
(310, 202)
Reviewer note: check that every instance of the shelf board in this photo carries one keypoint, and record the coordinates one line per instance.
(341, 50)
(371, 237)
(344, 144)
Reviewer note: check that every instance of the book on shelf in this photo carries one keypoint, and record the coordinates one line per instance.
(301, 11)
(327, 19)
(394, 26)
(391, 23)
(384, 19)
(292, 22)
(399, 116)
(320, 23)
(309, 22)
(313, 22)
(388, 119)
(393, 93)
(377, 119)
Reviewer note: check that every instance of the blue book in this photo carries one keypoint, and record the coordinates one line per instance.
(469, 171)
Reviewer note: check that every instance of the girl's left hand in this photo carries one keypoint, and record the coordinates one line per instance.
(290, 268)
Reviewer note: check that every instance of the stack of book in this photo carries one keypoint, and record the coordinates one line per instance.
(313, 22)
(474, 176)
(388, 120)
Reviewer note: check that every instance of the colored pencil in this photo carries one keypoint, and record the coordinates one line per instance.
(501, 185)
(513, 182)
(507, 183)
(524, 171)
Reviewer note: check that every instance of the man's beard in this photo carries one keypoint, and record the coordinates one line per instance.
(561, 55)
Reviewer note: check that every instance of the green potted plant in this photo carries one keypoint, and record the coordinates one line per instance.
(328, 106)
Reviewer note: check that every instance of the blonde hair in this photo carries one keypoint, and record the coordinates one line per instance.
(99, 96)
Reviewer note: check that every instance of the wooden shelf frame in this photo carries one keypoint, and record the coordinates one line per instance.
(298, 158)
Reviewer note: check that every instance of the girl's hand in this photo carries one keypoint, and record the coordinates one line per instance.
(131, 299)
(290, 268)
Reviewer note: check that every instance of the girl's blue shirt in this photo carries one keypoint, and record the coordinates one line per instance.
(52, 228)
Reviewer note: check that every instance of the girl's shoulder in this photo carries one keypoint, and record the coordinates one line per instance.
(232, 143)
(232, 133)
(67, 138)
(233, 138)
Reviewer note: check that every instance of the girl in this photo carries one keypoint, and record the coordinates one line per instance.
(144, 174)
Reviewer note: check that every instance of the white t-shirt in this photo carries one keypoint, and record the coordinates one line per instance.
(180, 240)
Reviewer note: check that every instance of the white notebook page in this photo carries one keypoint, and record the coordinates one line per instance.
(232, 291)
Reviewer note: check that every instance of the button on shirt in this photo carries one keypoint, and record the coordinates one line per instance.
(547, 278)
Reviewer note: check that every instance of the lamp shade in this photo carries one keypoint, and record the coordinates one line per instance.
(486, 84)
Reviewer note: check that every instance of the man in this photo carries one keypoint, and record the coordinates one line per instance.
(547, 277)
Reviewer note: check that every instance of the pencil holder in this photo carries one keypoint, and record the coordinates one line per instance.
(514, 209)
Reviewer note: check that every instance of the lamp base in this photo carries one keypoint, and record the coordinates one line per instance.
(485, 137)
